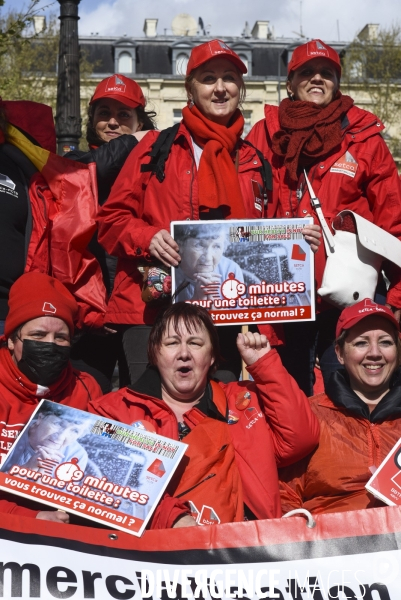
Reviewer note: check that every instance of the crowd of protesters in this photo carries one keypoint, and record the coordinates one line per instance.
(86, 256)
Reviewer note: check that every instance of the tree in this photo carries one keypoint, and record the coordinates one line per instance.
(28, 60)
(372, 68)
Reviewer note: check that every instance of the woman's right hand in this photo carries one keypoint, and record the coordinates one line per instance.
(163, 247)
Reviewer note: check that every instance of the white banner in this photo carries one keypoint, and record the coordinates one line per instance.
(352, 555)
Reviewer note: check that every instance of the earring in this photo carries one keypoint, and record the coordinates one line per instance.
(190, 102)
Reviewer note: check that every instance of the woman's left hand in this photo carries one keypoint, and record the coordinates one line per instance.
(252, 346)
(312, 234)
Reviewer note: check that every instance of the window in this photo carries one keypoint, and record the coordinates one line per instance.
(244, 51)
(181, 63)
(247, 114)
(177, 115)
(125, 63)
(356, 69)
(244, 59)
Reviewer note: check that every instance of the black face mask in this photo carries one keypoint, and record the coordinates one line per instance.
(43, 362)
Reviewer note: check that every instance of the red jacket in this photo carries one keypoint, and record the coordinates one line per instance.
(275, 429)
(333, 478)
(370, 185)
(63, 199)
(19, 398)
(139, 206)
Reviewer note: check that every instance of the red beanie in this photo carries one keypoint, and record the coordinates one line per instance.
(36, 295)
(33, 118)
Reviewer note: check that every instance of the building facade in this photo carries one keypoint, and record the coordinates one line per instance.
(158, 63)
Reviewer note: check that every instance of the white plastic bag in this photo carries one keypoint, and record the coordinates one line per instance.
(351, 272)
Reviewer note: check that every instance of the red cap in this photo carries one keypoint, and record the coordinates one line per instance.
(365, 308)
(121, 88)
(311, 50)
(214, 48)
(36, 295)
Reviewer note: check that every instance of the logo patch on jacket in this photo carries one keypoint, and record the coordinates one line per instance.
(232, 417)
(5, 180)
(208, 516)
(346, 165)
(250, 412)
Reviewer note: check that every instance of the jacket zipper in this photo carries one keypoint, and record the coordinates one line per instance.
(192, 182)
(196, 485)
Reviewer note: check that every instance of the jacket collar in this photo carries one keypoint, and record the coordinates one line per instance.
(340, 393)
(149, 384)
(359, 122)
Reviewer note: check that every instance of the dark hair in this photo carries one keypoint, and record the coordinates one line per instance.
(193, 317)
(144, 117)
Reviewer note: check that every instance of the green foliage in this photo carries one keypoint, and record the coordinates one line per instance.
(28, 60)
(373, 67)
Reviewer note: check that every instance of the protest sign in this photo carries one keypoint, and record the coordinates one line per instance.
(257, 271)
(91, 466)
(385, 483)
(353, 555)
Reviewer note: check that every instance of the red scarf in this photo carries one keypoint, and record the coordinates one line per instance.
(218, 179)
(308, 131)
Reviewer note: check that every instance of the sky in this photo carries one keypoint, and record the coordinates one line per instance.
(329, 21)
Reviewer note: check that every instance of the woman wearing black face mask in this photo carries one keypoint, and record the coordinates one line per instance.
(34, 364)
(41, 350)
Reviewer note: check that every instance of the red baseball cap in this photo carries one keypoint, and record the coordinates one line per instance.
(365, 308)
(311, 50)
(204, 52)
(121, 88)
(36, 295)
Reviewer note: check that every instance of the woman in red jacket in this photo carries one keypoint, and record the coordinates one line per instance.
(359, 416)
(350, 167)
(207, 174)
(34, 364)
(237, 433)
(117, 118)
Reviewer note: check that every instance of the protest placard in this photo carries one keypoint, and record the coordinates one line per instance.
(385, 482)
(256, 271)
(91, 466)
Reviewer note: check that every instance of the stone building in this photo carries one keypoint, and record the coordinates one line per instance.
(158, 62)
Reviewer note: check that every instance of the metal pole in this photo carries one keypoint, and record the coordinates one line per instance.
(68, 114)
(279, 77)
